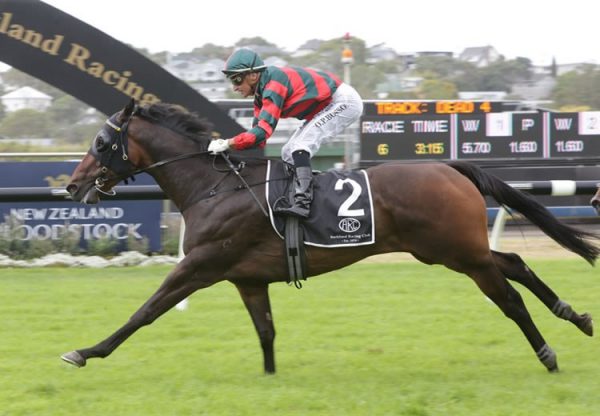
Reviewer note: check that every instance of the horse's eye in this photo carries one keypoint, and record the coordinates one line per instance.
(101, 144)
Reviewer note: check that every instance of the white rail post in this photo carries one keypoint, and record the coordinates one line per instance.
(183, 305)
(498, 228)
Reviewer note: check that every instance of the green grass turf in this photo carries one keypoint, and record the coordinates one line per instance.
(372, 339)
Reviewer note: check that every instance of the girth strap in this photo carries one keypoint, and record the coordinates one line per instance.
(294, 251)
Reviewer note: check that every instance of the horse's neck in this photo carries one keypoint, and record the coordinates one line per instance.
(183, 181)
(190, 180)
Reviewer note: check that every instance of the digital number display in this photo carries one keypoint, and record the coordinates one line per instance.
(471, 130)
(392, 108)
(408, 137)
(500, 136)
(574, 135)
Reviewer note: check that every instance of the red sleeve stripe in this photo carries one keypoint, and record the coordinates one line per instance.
(244, 141)
(298, 88)
(323, 89)
(271, 109)
(277, 87)
(263, 124)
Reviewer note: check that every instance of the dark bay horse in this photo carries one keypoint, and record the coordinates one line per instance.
(434, 211)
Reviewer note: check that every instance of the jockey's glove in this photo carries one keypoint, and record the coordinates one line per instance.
(218, 146)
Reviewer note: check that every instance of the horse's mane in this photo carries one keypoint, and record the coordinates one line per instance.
(177, 119)
(188, 124)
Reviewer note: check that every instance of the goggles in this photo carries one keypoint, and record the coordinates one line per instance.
(237, 79)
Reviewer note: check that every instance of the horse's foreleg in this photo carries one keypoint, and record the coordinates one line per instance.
(493, 284)
(180, 283)
(514, 268)
(256, 299)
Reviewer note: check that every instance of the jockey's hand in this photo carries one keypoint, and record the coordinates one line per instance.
(218, 146)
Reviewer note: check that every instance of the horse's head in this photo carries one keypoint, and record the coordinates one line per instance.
(108, 160)
(122, 147)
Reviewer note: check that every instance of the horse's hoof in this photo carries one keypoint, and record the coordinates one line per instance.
(73, 358)
(548, 358)
(587, 324)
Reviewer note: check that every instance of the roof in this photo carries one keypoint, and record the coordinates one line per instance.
(475, 52)
(26, 92)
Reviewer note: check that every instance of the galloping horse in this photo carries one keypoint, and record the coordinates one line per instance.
(434, 211)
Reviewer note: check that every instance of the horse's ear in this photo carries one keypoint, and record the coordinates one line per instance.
(128, 110)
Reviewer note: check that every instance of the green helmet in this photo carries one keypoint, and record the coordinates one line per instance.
(243, 60)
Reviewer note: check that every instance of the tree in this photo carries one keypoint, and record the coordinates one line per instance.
(498, 76)
(67, 110)
(578, 88)
(16, 78)
(436, 89)
(469, 79)
(328, 56)
(212, 51)
(80, 134)
(364, 78)
(257, 40)
(440, 66)
(66, 114)
(26, 123)
(2, 109)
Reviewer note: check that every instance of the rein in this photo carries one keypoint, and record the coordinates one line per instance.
(237, 173)
(118, 140)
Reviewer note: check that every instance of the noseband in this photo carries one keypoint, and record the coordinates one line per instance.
(110, 150)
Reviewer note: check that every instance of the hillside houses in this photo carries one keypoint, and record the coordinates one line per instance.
(480, 56)
(25, 98)
(204, 73)
(194, 70)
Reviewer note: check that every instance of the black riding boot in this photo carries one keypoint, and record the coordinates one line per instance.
(303, 194)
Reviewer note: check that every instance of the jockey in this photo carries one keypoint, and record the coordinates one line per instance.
(326, 105)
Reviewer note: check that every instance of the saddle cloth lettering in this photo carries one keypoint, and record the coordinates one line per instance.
(341, 214)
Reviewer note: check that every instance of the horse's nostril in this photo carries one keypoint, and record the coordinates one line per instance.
(71, 188)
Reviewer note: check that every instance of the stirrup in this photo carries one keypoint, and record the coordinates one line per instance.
(294, 210)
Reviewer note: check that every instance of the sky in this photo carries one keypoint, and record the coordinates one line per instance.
(539, 30)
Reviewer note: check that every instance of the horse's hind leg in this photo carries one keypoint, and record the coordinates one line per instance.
(493, 284)
(256, 299)
(514, 268)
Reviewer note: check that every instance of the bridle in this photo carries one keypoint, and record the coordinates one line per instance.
(110, 149)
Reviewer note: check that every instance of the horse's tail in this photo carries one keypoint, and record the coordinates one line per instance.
(570, 238)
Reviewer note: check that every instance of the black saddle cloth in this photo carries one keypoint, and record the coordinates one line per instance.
(341, 213)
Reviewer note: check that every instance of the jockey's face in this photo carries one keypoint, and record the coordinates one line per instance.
(247, 86)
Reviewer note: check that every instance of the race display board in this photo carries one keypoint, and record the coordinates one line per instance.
(476, 131)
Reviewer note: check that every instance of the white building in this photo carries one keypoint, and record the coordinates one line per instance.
(480, 56)
(26, 98)
(194, 71)
(482, 95)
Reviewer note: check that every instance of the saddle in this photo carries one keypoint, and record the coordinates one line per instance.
(341, 213)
